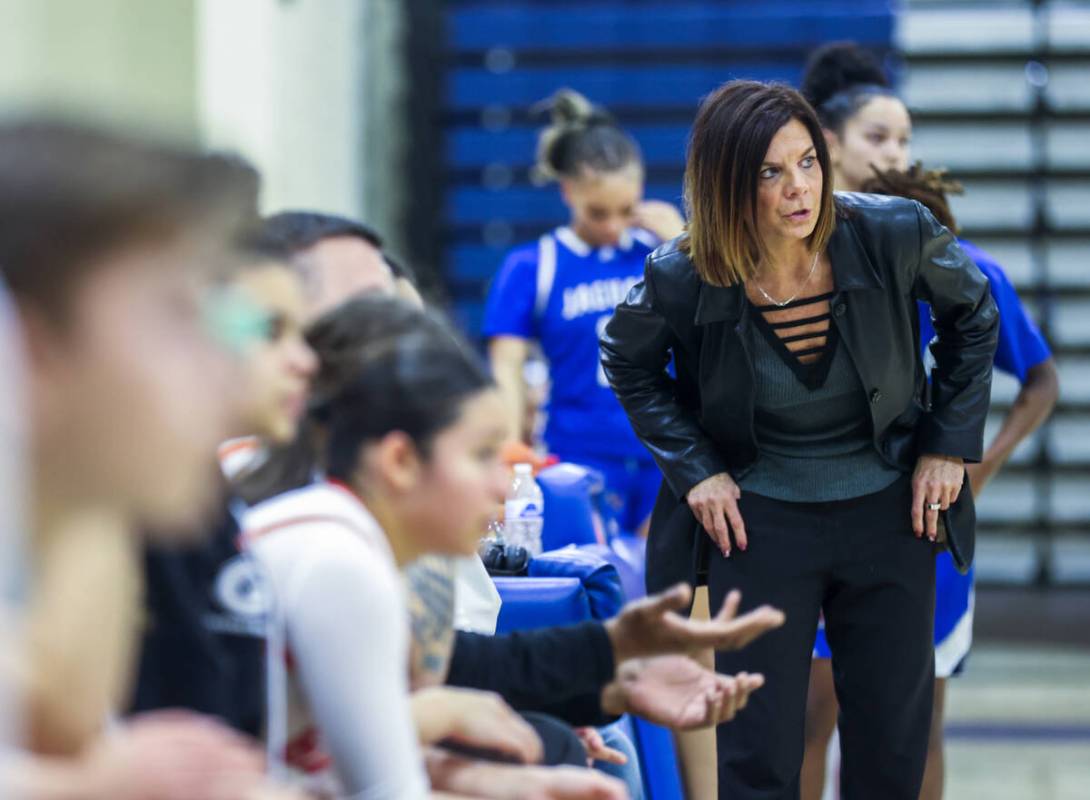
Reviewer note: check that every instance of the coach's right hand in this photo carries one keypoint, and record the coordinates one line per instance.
(714, 502)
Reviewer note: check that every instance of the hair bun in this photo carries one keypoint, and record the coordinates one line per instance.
(835, 67)
(562, 146)
(569, 109)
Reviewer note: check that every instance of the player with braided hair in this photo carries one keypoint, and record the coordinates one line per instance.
(869, 132)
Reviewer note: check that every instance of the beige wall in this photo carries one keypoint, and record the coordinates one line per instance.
(281, 82)
(305, 89)
(122, 61)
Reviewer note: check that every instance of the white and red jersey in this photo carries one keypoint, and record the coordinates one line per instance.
(240, 456)
(339, 715)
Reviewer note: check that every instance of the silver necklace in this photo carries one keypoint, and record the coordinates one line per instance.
(805, 283)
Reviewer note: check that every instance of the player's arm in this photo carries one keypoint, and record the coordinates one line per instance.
(507, 355)
(1034, 403)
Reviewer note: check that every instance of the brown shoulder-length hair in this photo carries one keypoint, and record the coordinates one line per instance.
(729, 140)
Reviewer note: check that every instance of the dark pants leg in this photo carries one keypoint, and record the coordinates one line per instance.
(858, 559)
(785, 565)
(879, 614)
(560, 743)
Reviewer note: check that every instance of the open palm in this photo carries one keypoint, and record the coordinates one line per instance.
(678, 693)
(651, 626)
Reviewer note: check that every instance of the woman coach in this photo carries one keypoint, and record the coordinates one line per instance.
(797, 437)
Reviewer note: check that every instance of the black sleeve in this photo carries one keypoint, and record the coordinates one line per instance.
(559, 671)
(967, 323)
(636, 347)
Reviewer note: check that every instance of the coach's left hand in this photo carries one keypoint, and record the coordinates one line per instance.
(936, 484)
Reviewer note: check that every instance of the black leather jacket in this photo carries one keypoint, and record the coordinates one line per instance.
(886, 253)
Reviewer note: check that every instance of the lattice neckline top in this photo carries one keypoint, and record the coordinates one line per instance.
(805, 344)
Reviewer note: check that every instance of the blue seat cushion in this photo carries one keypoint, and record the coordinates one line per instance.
(530, 603)
(600, 579)
(569, 511)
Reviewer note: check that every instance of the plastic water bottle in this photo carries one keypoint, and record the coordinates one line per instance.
(524, 511)
(494, 536)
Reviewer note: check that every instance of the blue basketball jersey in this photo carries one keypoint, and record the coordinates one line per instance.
(561, 291)
(1021, 345)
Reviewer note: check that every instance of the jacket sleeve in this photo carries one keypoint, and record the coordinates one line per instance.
(559, 671)
(636, 348)
(967, 327)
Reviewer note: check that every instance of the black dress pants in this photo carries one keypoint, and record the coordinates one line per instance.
(859, 562)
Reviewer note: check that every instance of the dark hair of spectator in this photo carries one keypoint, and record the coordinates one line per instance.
(581, 138)
(298, 230)
(72, 195)
(292, 231)
(839, 79)
(387, 366)
(258, 247)
(927, 186)
(399, 269)
(384, 365)
(730, 138)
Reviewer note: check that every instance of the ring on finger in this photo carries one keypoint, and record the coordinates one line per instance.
(934, 506)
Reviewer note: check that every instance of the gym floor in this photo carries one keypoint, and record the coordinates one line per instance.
(1018, 724)
(1018, 720)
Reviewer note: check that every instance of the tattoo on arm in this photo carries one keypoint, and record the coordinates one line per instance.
(431, 606)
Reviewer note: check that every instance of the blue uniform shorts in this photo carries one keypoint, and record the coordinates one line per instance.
(632, 484)
(953, 619)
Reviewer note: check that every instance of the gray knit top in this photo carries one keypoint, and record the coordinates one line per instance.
(812, 425)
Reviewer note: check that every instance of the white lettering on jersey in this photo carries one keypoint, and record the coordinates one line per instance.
(596, 297)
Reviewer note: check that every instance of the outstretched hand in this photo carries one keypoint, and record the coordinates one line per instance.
(677, 692)
(652, 626)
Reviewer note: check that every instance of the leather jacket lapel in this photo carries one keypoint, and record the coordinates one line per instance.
(719, 303)
(852, 265)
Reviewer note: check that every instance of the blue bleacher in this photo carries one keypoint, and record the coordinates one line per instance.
(639, 26)
(475, 263)
(522, 203)
(474, 147)
(626, 85)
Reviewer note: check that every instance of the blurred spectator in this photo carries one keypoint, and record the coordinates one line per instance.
(339, 258)
(411, 428)
(343, 259)
(207, 605)
(13, 469)
(111, 248)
